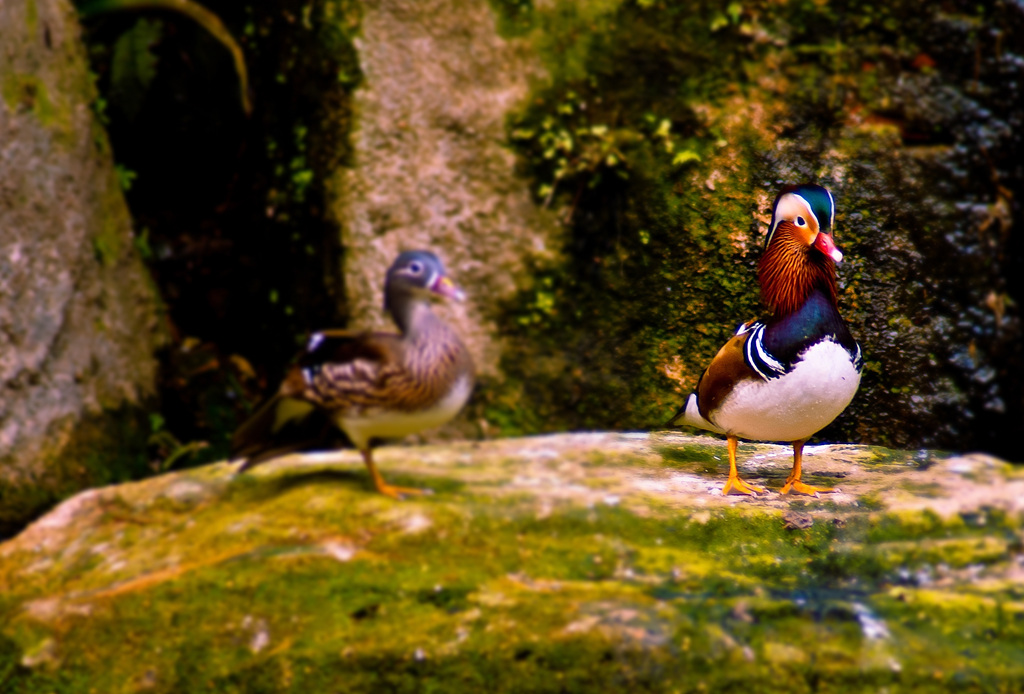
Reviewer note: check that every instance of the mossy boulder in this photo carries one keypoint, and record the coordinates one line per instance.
(559, 563)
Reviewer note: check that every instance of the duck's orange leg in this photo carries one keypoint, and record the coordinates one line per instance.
(734, 483)
(793, 481)
(385, 488)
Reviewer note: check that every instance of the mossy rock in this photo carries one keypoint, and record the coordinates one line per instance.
(662, 134)
(79, 320)
(560, 563)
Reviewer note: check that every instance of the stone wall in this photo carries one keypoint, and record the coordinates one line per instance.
(432, 167)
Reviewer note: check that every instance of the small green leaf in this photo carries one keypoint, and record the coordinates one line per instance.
(142, 246)
(125, 177)
(734, 10)
(684, 157)
(133, 65)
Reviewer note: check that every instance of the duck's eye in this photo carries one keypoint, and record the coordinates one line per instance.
(415, 267)
(801, 222)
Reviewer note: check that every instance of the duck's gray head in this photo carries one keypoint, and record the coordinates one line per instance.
(416, 276)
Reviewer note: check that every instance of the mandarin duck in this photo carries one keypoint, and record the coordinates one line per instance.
(787, 377)
(371, 385)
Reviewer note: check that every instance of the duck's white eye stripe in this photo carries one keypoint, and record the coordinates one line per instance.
(315, 340)
(810, 211)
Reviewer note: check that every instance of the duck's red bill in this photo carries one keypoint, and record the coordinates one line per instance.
(826, 245)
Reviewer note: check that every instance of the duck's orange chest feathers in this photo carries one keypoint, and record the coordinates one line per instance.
(788, 272)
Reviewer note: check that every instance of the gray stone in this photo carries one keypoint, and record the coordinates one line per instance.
(78, 314)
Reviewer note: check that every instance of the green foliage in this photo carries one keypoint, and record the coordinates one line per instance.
(169, 450)
(10, 654)
(106, 244)
(131, 61)
(142, 245)
(564, 144)
(125, 177)
(515, 17)
(133, 65)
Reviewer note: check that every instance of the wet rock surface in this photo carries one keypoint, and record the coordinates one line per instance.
(552, 563)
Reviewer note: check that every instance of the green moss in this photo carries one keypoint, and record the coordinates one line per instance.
(515, 17)
(31, 17)
(701, 459)
(108, 241)
(916, 524)
(622, 153)
(28, 92)
(871, 501)
(299, 579)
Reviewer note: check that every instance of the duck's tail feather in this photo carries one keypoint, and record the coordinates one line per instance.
(689, 414)
(280, 426)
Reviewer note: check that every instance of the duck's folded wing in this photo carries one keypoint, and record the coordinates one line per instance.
(729, 368)
(342, 370)
(337, 370)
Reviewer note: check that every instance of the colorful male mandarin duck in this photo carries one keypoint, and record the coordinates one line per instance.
(787, 377)
(372, 385)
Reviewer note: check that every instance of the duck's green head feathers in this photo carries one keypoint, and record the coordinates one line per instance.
(808, 207)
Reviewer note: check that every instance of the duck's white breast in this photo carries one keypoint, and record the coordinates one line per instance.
(795, 405)
(389, 424)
